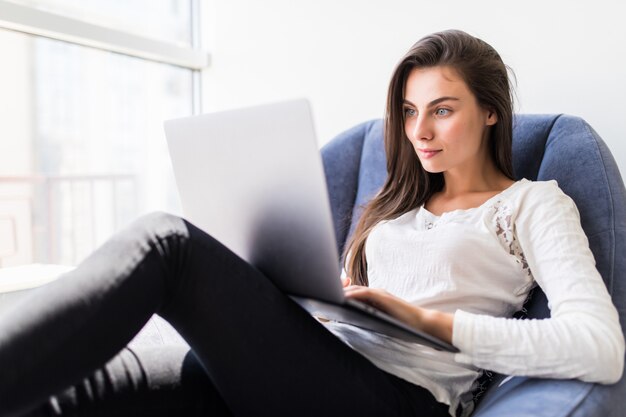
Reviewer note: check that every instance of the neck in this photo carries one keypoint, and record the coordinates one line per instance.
(483, 177)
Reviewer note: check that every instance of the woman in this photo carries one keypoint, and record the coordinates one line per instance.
(451, 244)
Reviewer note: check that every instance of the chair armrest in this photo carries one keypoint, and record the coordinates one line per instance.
(524, 397)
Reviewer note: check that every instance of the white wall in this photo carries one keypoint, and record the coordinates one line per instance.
(568, 55)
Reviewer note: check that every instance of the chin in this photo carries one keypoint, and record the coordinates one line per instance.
(431, 170)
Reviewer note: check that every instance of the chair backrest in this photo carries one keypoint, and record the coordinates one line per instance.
(545, 147)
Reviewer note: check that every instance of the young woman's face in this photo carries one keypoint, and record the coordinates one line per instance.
(444, 122)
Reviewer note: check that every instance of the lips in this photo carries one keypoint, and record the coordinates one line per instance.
(429, 153)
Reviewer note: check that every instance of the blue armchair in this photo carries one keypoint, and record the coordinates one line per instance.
(559, 147)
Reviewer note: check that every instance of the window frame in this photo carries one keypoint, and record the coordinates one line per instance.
(27, 19)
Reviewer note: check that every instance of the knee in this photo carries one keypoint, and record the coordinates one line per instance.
(144, 233)
(161, 225)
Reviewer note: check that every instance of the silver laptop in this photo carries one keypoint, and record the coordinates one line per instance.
(253, 179)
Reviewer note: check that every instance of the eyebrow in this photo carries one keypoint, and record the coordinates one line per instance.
(435, 101)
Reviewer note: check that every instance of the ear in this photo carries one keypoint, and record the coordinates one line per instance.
(492, 118)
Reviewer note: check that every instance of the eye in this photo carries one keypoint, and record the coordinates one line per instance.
(409, 112)
(442, 112)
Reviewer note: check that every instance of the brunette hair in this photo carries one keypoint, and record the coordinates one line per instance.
(408, 185)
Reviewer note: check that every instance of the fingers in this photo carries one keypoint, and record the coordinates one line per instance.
(373, 297)
(346, 281)
(363, 293)
(363, 290)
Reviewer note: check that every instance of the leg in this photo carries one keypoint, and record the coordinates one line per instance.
(163, 380)
(267, 356)
(59, 333)
(264, 354)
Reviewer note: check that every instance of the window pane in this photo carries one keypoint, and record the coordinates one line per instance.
(168, 20)
(84, 150)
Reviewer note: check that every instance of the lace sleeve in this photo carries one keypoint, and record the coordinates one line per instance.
(582, 338)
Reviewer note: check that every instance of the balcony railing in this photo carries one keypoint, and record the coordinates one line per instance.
(61, 218)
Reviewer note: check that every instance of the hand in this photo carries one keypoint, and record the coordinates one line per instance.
(435, 322)
(346, 281)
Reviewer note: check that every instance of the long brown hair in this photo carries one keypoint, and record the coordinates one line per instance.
(408, 185)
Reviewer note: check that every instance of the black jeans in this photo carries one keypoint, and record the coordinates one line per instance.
(254, 351)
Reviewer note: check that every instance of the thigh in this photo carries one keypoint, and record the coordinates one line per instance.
(163, 380)
(268, 356)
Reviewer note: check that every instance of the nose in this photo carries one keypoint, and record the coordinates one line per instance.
(419, 128)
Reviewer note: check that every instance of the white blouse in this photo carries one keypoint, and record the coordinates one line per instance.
(480, 264)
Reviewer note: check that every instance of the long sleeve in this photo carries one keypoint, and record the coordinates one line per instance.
(582, 338)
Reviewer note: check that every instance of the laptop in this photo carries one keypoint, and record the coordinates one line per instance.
(253, 179)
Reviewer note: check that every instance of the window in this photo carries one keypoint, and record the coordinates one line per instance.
(82, 150)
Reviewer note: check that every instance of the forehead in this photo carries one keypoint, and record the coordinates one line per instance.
(426, 84)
